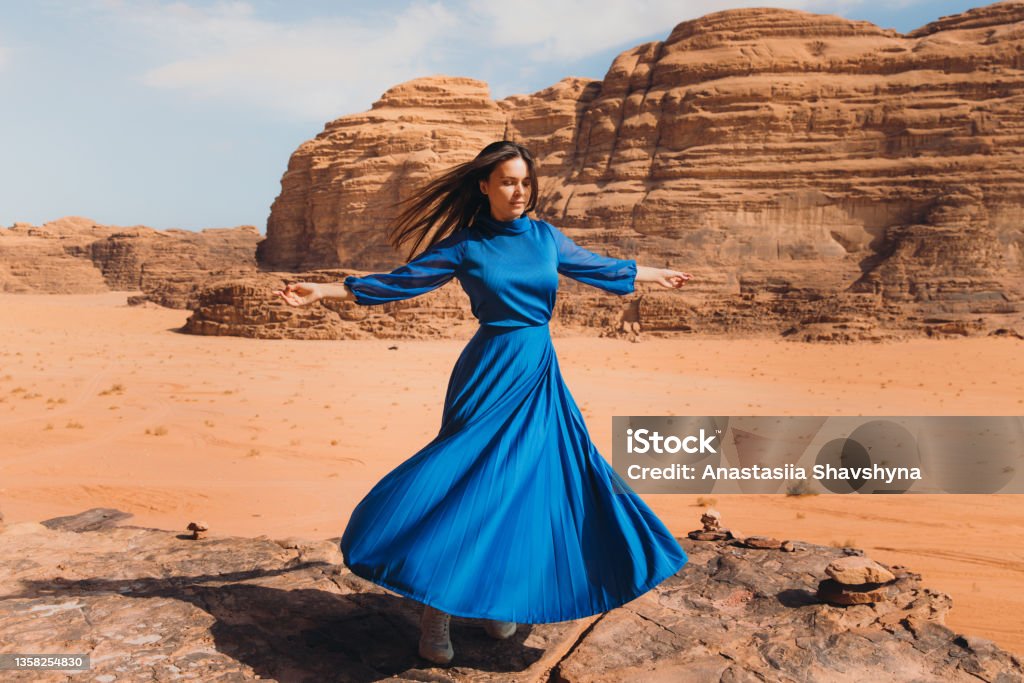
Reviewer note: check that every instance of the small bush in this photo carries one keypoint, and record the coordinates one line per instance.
(800, 488)
(114, 389)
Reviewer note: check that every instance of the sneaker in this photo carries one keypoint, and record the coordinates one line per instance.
(500, 630)
(435, 641)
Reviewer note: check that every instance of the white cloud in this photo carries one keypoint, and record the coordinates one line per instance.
(317, 68)
(575, 29)
(311, 69)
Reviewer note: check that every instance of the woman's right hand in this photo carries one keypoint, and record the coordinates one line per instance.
(301, 293)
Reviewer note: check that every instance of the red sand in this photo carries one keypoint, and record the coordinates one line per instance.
(102, 404)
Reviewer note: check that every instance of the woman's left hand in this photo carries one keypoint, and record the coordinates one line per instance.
(674, 279)
(666, 277)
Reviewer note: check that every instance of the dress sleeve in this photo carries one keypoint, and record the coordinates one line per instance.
(428, 271)
(617, 276)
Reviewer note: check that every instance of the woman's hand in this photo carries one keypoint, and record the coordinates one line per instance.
(673, 279)
(301, 293)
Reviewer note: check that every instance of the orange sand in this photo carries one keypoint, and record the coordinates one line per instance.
(102, 404)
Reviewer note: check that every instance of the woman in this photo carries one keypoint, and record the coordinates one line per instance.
(509, 514)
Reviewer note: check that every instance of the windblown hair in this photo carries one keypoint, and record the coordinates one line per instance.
(454, 200)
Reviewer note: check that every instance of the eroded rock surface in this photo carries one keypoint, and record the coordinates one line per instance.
(155, 605)
(51, 258)
(172, 266)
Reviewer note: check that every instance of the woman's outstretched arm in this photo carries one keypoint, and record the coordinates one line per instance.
(428, 271)
(614, 275)
(673, 279)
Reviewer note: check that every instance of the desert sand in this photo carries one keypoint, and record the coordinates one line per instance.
(106, 405)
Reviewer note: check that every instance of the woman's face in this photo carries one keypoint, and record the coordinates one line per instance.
(508, 189)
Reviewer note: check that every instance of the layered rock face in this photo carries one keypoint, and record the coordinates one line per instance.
(77, 256)
(809, 170)
(172, 266)
(50, 258)
(289, 610)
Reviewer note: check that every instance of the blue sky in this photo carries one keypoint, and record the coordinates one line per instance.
(183, 114)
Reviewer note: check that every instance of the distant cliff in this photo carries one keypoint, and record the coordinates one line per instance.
(75, 255)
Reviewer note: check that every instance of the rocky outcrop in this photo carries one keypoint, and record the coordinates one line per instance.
(171, 266)
(821, 177)
(856, 581)
(49, 259)
(158, 605)
(77, 256)
(249, 308)
(949, 256)
(712, 529)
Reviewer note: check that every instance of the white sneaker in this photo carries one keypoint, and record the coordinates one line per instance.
(435, 641)
(500, 630)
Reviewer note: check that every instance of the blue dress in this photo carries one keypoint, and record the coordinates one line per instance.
(509, 513)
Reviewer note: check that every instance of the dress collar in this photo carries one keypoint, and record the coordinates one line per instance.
(521, 224)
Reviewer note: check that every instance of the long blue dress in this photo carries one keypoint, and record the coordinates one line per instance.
(509, 513)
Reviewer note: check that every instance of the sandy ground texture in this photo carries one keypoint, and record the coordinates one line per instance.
(102, 404)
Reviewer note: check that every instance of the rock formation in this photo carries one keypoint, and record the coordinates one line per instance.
(148, 604)
(171, 266)
(199, 530)
(51, 258)
(856, 581)
(712, 529)
(821, 177)
(76, 256)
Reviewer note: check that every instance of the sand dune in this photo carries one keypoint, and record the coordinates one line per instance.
(102, 404)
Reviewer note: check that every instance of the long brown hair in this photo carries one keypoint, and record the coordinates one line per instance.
(454, 200)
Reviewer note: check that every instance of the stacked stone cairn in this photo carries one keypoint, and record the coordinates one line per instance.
(713, 529)
(855, 581)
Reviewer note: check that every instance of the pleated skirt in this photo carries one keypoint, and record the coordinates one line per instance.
(510, 512)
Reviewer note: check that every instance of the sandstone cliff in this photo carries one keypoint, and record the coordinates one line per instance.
(154, 605)
(75, 255)
(51, 258)
(821, 177)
